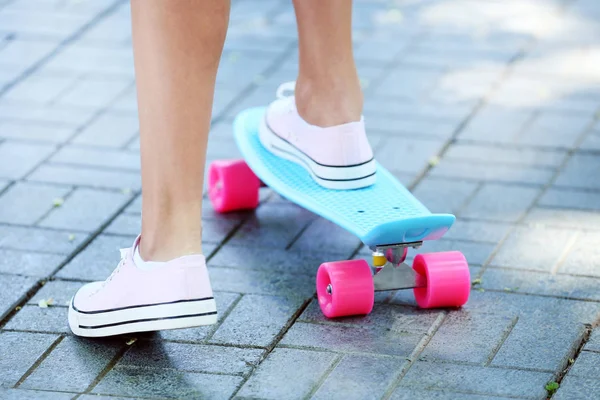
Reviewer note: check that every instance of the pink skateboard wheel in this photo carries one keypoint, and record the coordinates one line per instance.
(345, 288)
(447, 278)
(232, 186)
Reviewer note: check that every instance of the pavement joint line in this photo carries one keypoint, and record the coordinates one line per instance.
(291, 321)
(62, 45)
(414, 355)
(21, 303)
(542, 295)
(40, 359)
(505, 334)
(117, 357)
(325, 375)
(224, 317)
(108, 168)
(574, 355)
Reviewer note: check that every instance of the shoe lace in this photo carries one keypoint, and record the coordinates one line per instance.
(284, 89)
(115, 271)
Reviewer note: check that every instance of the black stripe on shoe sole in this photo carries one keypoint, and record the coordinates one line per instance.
(146, 320)
(136, 306)
(318, 176)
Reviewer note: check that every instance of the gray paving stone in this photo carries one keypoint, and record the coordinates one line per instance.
(13, 290)
(402, 127)
(526, 306)
(50, 25)
(73, 365)
(586, 366)
(113, 61)
(79, 155)
(192, 357)
(49, 113)
(262, 282)
(109, 130)
(23, 53)
(99, 397)
(25, 203)
(393, 319)
(500, 202)
(496, 124)
(3, 184)
(85, 210)
(577, 219)
(478, 231)
(256, 320)
(29, 347)
(581, 171)
(468, 337)
(469, 170)
(42, 240)
(36, 319)
(444, 196)
(323, 236)
(285, 261)
(533, 248)
(556, 341)
(59, 291)
(575, 388)
(591, 141)
(477, 380)
(97, 260)
(408, 82)
(125, 224)
(85, 176)
(583, 288)
(21, 394)
(360, 377)
(407, 154)
(287, 374)
(345, 339)
(417, 109)
(555, 129)
(28, 263)
(20, 158)
(34, 131)
(225, 303)
(569, 198)
(593, 343)
(583, 257)
(273, 226)
(475, 253)
(215, 231)
(164, 383)
(40, 88)
(405, 393)
(505, 155)
(93, 92)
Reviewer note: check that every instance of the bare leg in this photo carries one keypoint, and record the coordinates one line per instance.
(177, 47)
(327, 89)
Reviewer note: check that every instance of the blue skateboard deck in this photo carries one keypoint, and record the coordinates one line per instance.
(385, 213)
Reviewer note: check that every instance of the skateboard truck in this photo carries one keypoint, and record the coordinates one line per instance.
(390, 272)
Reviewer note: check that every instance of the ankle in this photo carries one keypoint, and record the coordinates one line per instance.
(167, 246)
(329, 102)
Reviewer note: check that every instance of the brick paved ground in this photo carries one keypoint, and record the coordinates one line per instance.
(505, 94)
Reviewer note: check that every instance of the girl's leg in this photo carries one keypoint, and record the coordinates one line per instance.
(327, 89)
(177, 46)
